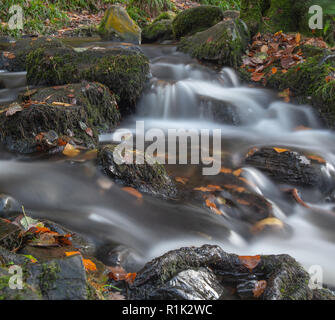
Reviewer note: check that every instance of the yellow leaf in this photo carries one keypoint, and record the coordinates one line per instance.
(89, 265)
(268, 222)
(70, 150)
(71, 253)
(280, 150)
(63, 104)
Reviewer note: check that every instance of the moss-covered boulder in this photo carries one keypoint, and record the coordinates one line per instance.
(123, 70)
(150, 177)
(196, 19)
(70, 114)
(157, 31)
(166, 15)
(117, 25)
(223, 44)
(275, 15)
(14, 58)
(312, 81)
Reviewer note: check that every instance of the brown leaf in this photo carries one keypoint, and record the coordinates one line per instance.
(259, 288)
(70, 150)
(133, 192)
(257, 76)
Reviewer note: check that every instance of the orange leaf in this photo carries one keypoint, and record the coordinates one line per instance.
(71, 253)
(279, 150)
(70, 151)
(182, 180)
(259, 288)
(256, 76)
(274, 70)
(130, 277)
(298, 38)
(133, 192)
(89, 265)
(243, 202)
(226, 170)
(237, 172)
(317, 158)
(250, 262)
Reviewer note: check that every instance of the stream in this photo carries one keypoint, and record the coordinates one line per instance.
(181, 93)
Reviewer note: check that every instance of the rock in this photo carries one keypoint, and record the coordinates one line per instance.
(196, 19)
(223, 44)
(151, 178)
(124, 70)
(117, 25)
(61, 279)
(9, 235)
(82, 32)
(281, 277)
(9, 206)
(167, 15)
(14, 58)
(273, 16)
(158, 31)
(190, 285)
(58, 114)
(289, 167)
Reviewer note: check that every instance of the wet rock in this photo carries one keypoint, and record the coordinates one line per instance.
(196, 19)
(222, 44)
(14, 58)
(123, 70)
(158, 31)
(190, 285)
(147, 177)
(284, 277)
(289, 167)
(62, 279)
(117, 25)
(55, 113)
(8, 206)
(9, 235)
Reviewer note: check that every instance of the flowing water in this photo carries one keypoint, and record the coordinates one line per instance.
(182, 93)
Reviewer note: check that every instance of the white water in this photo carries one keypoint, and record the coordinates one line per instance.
(182, 94)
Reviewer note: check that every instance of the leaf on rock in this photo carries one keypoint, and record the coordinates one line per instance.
(250, 262)
(280, 150)
(133, 192)
(72, 253)
(259, 288)
(182, 180)
(257, 76)
(13, 109)
(267, 222)
(70, 150)
(89, 265)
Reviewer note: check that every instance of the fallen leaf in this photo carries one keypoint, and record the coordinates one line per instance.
(133, 192)
(63, 104)
(257, 76)
(70, 150)
(71, 253)
(89, 265)
(89, 132)
(250, 262)
(280, 150)
(267, 222)
(237, 172)
(226, 170)
(259, 288)
(316, 158)
(274, 70)
(13, 109)
(181, 180)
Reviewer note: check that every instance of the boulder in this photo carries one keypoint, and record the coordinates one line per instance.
(158, 31)
(147, 177)
(196, 19)
(222, 44)
(117, 25)
(175, 274)
(124, 70)
(52, 117)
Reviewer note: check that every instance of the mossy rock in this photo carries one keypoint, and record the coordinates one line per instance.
(277, 15)
(117, 25)
(167, 15)
(66, 113)
(157, 31)
(83, 32)
(19, 50)
(123, 70)
(222, 44)
(150, 177)
(196, 19)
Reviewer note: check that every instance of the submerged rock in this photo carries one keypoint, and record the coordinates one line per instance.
(187, 272)
(123, 70)
(196, 19)
(55, 116)
(158, 31)
(223, 44)
(117, 25)
(147, 177)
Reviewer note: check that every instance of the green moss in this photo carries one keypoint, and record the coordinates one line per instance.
(157, 31)
(48, 276)
(196, 19)
(167, 15)
(124, 71)
(223, 44)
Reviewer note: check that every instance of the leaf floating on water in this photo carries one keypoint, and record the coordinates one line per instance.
(268, 222)
(259, 288)
(70, 150)
(133, 192)
(250, 262)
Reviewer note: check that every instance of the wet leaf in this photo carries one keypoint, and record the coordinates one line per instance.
(119, 274)
(317, 158)
(133, 192)
(268, 222)
(89, 265)
(71, 253)
(257, 76)
(182, 180)
(237, 172)
(259, 288)
(70, 150)
(281, 150)
(44, 240)
(31, 258)
(274, 70)
(250, 262)
(226, 170)
(13, 109)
